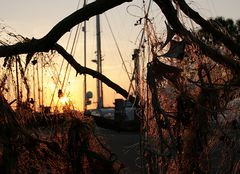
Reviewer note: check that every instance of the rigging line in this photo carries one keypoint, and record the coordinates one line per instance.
(119, 52)
(74, 43)
(38, 83)
(68, 69)
(58, 79)
(56, 85)
(74, 47)
(139, 46)
(131, 14)
(152, 39)
(67, 74)
(58, 76)
(144, 119)
(85, 61)
(42, 81)
(53, 71)
(141, 42)
(34, 92)
(180, 14)
(146, 12)
(17, 81)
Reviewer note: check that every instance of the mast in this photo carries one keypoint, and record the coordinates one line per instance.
(34, 93)
(42, 84)
(17, 79)
(99, 64)
(85, 63)
(137, 72)
(38, 87)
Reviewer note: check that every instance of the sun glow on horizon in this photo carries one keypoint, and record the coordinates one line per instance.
(64, 100)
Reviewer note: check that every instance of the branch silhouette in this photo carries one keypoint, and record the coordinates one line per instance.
(47, 42)
(84, 70)
(228, 42)
(171, 15)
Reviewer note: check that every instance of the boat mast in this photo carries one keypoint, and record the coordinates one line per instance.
(137, 72)
(34, 93)
(42, 84)
(99, 64)
(17, 79)
(85, 64)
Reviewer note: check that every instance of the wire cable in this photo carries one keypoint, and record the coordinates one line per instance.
(119, 51)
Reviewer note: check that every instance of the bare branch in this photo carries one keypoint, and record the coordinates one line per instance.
(171, 15)
(47, 42)
(218, 35)
(84, 70)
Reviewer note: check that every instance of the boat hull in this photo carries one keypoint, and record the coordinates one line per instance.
(123, 125)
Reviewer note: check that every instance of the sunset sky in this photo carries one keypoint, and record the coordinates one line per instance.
(34, 18)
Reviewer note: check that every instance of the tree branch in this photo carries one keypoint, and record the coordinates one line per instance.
(218, 35)
(84, 70)
(47, 42)
(171, 15)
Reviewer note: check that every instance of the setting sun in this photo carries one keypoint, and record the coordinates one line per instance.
(64, 100)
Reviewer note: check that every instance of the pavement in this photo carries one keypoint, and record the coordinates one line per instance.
(125, 145)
